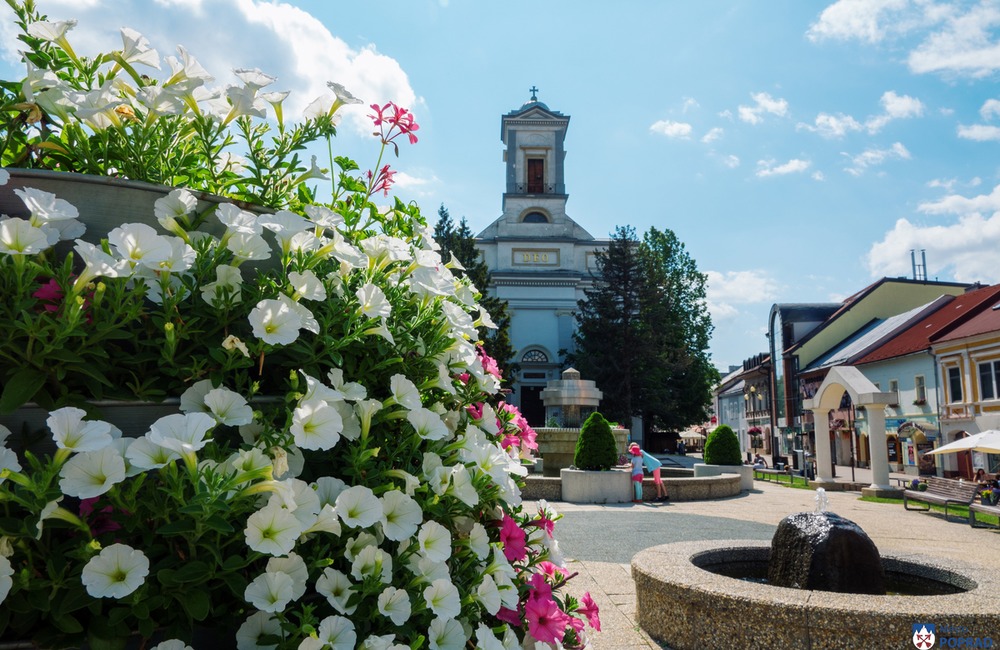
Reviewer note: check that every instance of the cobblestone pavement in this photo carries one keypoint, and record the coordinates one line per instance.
(600, 540)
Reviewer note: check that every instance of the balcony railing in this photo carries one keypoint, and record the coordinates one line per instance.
(534, 188)
(958, 411)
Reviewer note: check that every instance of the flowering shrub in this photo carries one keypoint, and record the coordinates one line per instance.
(340, 473)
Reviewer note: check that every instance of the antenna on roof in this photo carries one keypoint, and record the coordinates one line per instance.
(919, 270)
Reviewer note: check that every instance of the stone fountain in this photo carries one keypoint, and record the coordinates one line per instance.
(820, 583)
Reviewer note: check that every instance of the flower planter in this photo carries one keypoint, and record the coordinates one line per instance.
(558, 445)
(611, 486)
(745, 472)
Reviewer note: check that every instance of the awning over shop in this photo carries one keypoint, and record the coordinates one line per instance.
(918, 431)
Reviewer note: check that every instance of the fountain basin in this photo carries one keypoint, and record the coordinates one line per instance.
(683, 602)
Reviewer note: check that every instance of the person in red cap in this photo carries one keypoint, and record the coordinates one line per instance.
(636, 459)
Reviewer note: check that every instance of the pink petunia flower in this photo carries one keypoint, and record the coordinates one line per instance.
(508, 615)
(515, 546)
(546, 622)
(589, 609)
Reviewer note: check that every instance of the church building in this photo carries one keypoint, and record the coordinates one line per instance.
(539, 258)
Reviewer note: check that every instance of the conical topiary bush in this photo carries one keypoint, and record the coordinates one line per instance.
(722, 447)
(595, 448)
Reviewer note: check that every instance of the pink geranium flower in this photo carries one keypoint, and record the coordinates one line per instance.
(514, 540)
(589, 609)
(546, 622)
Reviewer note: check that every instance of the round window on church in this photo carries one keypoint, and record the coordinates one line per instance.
(535, 356)
(535, 217)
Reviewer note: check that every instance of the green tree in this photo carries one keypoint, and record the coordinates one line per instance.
(461, 242)
(607, 338)
(643, 332)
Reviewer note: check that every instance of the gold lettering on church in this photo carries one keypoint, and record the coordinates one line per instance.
(549, 257)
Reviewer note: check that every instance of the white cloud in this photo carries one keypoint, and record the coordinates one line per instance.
(767, 168)
(689, 103)
(818, 176)
(964, 45)
(979, 132)
(731, 161)
(712, 135)
(726, 114)
(960, 205)
(967, 246)
(847, 19)
(874, 157)
(763, 103)
(671, 129)
(726, 290)
(990, 109)
(832, 126)
(895, 107)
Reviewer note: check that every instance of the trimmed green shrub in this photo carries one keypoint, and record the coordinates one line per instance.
(595, 448)
(722, 447)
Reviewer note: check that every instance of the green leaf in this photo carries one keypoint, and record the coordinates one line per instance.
(193, 571)
(20, 388)
(67, 624)
(195, 603)
(180, 527)
(218, 522)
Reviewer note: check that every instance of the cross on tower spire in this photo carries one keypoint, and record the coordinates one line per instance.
(533, 90)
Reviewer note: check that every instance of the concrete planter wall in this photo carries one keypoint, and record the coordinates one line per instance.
(557, 446)
(611, 486)
(745, 472)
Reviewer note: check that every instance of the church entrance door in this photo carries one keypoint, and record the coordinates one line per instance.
(532, 407)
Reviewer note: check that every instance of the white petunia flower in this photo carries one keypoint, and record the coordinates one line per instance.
(337, 588)
(8, 460)
(309, 321)
(193, 399)
(98, 264)
(6, 571)
(307, 285)
(136, 49)
(400, 516)
(145, 454)
(4, 176)
(176, 205)
(182, 432)
(351, 391)
(434, 541)
(446, 634)
(115, 572)
(427, 424)
(334, 633)
(372, 561)
(228, 407)
(316, 425)
(358, 507)
(296, 569)
(140, 244)
(443, 599)
(257, 625)
(373, 302)
(488, 594)
(18, 237)
(246, 246)
(172, 644)
(272, 530)
(45, 207)
(328, 488)
(270, 591)
(486, 640)
(71, 432)
(232, 342)
(236, 220)
(228, 281)
(462, 487)
(275, 323)
(394, 604)
(404, 392)
(479, 541)
(379, 642)
(180, 259)
(427, 570)
(92, 473)
(323, 216)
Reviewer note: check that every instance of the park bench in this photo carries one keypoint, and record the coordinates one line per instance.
(766, 474)
(984, 509)
(943, 492)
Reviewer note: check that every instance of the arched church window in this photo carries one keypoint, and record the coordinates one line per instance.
(535, 217)
(535, 356)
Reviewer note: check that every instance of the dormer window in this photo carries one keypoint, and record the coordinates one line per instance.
(535, 217)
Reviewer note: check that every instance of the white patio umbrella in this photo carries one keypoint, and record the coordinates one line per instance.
(987, 442)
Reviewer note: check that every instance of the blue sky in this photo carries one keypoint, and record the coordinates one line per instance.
(799, 149)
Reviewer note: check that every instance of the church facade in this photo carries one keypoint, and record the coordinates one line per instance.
(540, 260)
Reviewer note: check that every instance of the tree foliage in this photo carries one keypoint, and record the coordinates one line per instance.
(722, 447)
(643, 331)
(595, 448)
(460, 241)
